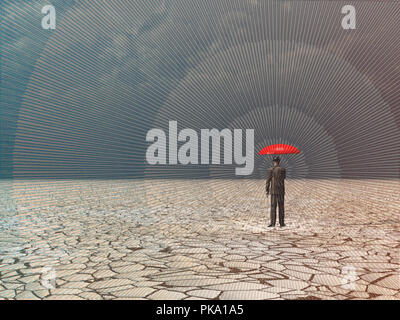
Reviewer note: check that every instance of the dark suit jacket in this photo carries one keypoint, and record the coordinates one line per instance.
(276, 180)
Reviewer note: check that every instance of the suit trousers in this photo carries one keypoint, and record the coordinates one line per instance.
(277, 200)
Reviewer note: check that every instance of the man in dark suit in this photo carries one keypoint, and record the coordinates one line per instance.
(276, 187)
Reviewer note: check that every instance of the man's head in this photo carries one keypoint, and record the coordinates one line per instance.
(276, 160)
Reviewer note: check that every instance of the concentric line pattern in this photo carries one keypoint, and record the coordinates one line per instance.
(112, 71)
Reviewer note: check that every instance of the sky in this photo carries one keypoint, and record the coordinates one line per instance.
(78, 101)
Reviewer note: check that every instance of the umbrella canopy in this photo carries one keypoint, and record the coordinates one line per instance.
(279, 149)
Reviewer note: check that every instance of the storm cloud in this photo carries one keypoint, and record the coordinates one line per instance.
(111, 71)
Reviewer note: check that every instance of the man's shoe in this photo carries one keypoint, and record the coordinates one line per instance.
(271, 225)
(283, 225)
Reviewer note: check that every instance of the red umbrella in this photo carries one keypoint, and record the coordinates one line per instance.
(279, 149)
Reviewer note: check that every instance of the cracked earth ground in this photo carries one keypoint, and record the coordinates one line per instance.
(198, 239)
